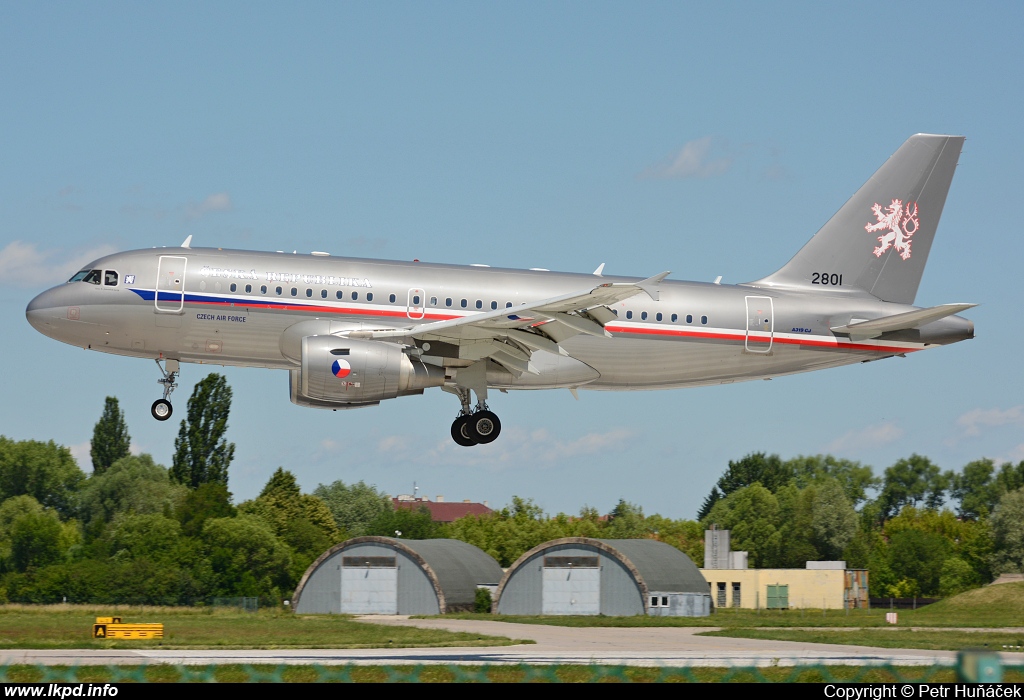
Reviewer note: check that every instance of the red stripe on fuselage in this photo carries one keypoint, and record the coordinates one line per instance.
(622, 330)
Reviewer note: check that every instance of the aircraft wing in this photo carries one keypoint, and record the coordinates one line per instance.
(510, 335)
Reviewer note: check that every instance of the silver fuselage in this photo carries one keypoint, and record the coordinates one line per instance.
(232, 307)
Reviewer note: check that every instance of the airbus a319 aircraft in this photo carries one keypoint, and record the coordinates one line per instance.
(353, 332)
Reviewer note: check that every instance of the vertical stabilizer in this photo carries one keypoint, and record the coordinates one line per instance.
(879, 241)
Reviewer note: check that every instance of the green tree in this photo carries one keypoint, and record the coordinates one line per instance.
(1008, 531)
(44, 470)
(35, 540)
(133, 484)
(1010, 477)
(209, 500)
(752, 514)
(301, 521)
(768, 470)
(151, 536)
(110, 439)
(833, 519)
(201, 452)
(911, 482)
(412, 523)
(353, 506)
(626, 521)
(976, 489)
(854, 477)
(247, 557)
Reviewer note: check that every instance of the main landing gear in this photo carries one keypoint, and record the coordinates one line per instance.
(477, 426)
(162, 408)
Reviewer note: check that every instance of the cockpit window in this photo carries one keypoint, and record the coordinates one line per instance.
(92, 276)
(110, 278)
(79, 276)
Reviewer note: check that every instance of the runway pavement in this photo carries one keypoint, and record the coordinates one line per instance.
(634, 646)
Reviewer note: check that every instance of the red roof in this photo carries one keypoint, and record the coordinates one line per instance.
(444, 512)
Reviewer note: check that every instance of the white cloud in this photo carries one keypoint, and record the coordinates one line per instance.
(973, 421)
(220, 201)
(866, 438)
(82, 454)
(518, 447)
(693, 160)
(1016, 454)
(25, 265)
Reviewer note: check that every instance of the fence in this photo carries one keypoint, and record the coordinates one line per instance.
(971, 667)
(246, 604)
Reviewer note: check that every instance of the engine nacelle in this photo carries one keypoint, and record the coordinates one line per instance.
(345, 373)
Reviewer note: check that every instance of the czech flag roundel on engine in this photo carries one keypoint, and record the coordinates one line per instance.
(341, 368)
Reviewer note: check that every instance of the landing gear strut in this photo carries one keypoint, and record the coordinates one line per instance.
(477, 426)
(162, 408)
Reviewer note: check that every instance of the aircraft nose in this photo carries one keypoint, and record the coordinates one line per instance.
(41, 311)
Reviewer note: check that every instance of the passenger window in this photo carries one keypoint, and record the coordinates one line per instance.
(339, 295)
(689, 318)
(392, 298)
(415, 299)
(643, 315)
(464, 303)
(369, 296)
(279, 290)
(110, 278)
(93, 277)
(615, 311)
(263, 289)
(448, 301)
(248, 289)
(323, 293)
(233, 286)
(508, 304)
(479, 304)
(433, 301)
(658, 317)
(355, 296)
(629, 314)
(704, 320)
(675, 317)
(494, 305)
(295, 292)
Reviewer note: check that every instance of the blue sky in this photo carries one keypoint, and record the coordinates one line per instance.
(709, 139)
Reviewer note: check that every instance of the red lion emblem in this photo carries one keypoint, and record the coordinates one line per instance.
(900, 222)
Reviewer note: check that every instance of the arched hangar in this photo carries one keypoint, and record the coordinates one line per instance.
(585, 576)
(389, 576)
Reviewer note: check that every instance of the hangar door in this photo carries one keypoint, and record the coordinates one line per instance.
(572, 586)
(369, 585)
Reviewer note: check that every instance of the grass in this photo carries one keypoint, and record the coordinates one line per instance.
(486, 674)
(944, 640)
(70, 627)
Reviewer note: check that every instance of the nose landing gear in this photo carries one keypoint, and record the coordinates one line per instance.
(162, 408)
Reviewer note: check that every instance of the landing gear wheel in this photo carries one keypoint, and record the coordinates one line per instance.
(484, 427)
(162, 409)
(460, 431)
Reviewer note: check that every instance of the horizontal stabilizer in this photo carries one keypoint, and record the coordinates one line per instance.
(900, 322)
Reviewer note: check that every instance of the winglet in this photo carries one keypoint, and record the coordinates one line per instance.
(599, 270)
(187, 243)
(650, 285)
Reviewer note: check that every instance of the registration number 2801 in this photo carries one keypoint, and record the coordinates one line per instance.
(831, 279)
